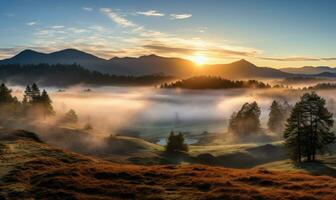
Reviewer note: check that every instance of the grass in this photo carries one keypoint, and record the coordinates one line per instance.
(34, 170)
(326, 165)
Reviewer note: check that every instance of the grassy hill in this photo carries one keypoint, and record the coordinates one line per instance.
(31, 169)
(326, 165)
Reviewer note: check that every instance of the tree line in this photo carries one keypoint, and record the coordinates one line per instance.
(66, 75)
(213, 82)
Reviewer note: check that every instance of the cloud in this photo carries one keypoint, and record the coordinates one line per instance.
(118, 19)
(208, 49)
(32, 23)
(151, 13)
(329, 59)
(168, 49)
(57, 27)
(298, 58)
(87, 9)
(180, 16)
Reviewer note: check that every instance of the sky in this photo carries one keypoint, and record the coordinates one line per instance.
(269, 33)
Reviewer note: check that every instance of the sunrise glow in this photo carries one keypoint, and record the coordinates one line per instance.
(198, 59)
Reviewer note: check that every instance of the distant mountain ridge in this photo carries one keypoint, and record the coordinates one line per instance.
(243, 69)
(153, 64)
(142, 65)
(309, 70)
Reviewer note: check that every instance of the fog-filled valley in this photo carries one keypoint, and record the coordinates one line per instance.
(132, 124)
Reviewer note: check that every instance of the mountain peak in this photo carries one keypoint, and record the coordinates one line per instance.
(243, 62)
(66, 51)
(28, 52)
(150, 56)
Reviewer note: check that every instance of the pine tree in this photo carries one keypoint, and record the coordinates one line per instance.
(277, 116)
(246, 121)
(71, 117)
(45, 101)
(35, 93)
(308, 128)
(27, 98)
(5, 95)
(175, 143)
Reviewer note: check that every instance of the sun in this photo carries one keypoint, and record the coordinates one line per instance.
(199, 59)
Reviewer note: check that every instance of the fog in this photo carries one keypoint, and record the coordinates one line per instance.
(153, 112)
(149, 113)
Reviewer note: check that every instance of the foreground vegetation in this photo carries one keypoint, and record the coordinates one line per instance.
(31, 169)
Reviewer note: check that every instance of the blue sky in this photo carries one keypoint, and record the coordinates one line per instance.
(266, 32)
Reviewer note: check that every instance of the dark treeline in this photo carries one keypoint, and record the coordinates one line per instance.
(321, 86)
(213, 82)
(66, 75)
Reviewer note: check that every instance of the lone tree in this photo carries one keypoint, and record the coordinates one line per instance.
(70, 117)
(246, 121)
(277, 116)
(175, 143)
(307, 130)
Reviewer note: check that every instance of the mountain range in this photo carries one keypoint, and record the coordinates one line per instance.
(153, 64)
(309, 70)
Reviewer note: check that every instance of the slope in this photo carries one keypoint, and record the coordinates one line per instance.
(31, 169)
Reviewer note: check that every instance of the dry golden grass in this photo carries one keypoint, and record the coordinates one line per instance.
(38, 171)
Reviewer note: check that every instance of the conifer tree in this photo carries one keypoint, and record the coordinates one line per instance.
(308, 128)
(246, 120)
(71, 117)
(175, 143)
(45, 102)
(5, 95)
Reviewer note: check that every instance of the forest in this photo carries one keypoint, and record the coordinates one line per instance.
(63, 75)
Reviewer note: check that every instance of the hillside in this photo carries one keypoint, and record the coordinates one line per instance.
(309, 70)
(144, 65)
(244, 69)
(50, 75)
(31, 169)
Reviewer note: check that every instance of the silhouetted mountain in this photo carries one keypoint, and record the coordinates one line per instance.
(153, 64)
(145, 65)
(324, 75)
(244, 69)
(309, 70)
(67, 56)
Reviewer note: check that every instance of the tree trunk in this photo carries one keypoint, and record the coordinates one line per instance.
(299, 137)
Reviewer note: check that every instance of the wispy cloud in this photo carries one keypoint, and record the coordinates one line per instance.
(32, 23)
(57, 27)
(87, 9)
(151, 13)
(133, 40)
(180, 16)
(117, 18)
(298, 58)
(208, 49)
